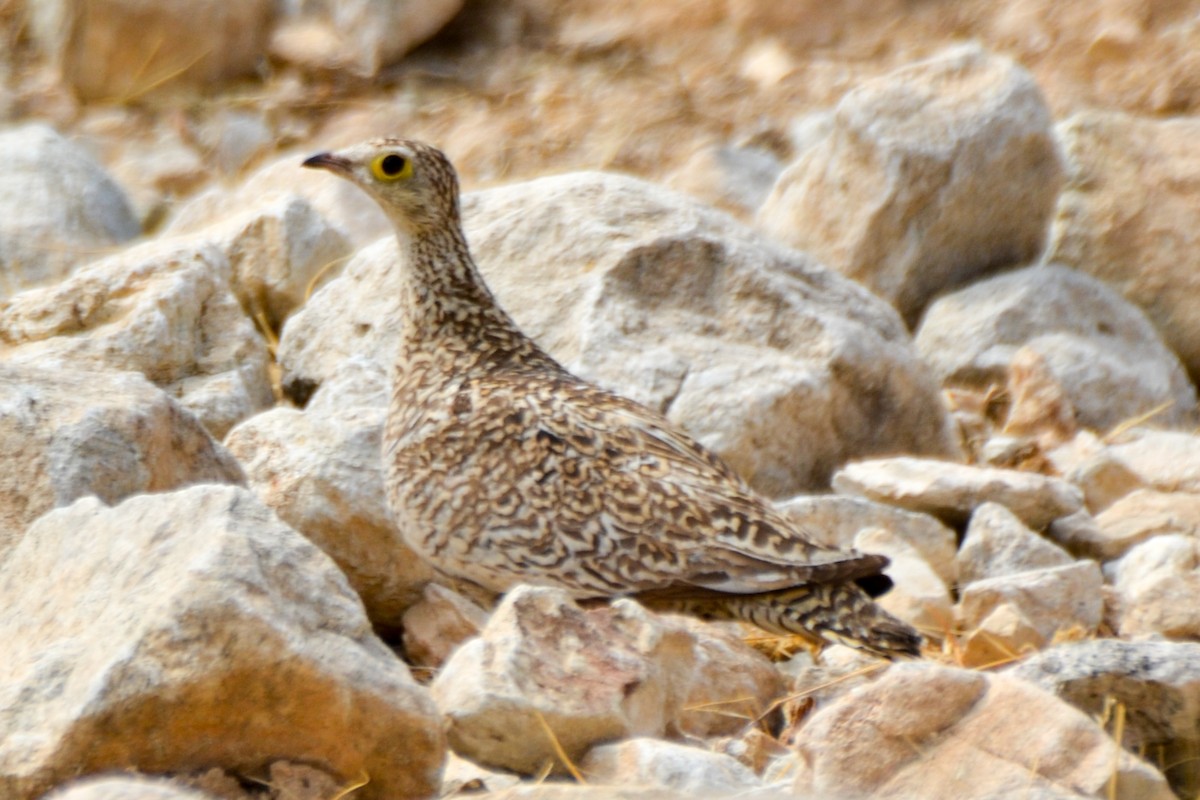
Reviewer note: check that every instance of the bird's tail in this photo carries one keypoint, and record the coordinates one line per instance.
(830, 612)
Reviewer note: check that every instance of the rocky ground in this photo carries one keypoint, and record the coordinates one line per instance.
(924, 272)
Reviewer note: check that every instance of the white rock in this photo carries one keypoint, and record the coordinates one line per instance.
(323, 475)
(1100, 348)
(68, 434)
(1143, 514)
(121, 49)
(164, 309)
(359, 36)
(1165, 460)
(132, 631)
(782, 367)
(1091, 465)
(1053, 599)
(647, 762)
(543, 668)
(930, 175)
(125, 788)
(1158, 683)
(1155, 588)
(938, 733)
(954, 491)
(1128, 215)
(58, 208)
(437, 624)
(276, 251)
(997, 544)
(836, 520)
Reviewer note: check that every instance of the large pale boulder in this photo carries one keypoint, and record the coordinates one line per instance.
(782, 367)
(121, 49)
(929, 732)
(164, 309)
(58, 208)
(322, 473)
(1128, 215)
(67, 434)
(182, 631)
(358, 36)
(929, 176)
(1109, 361)
(545, 675)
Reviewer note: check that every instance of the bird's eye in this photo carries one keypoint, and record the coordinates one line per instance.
(391, 167)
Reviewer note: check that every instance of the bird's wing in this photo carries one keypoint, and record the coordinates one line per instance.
(673, 505)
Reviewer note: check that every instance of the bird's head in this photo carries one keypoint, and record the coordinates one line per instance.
(414, 183)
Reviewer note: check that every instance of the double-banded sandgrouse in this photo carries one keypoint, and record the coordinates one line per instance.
(504, 468)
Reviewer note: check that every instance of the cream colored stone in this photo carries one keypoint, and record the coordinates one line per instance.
(1053, 599)
(322, 473)
(918, 595)
(125, 788)
(358, 36)
(997, 543)
(780, 366)
(932, 174)
(164, 309)
(938, 733)
(67, 434)
(644, 762)
(1128, 215)
(181, 609)
(58, 208)
(1168, 461)
(1091, 465)
(953, 491)
(542, 667)
(437, 624)
(1002, 636)
(1155, 588)
(1144, 514)
(1071, 331)
(118, 50)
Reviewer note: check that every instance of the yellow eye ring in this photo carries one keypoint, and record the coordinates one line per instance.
(391, 167)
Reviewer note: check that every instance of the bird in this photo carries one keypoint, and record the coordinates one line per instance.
(502, 467)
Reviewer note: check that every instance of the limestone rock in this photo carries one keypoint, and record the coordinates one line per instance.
(931, 175)
(1168, 461)
(276, 251)
(181, 607)
(322, 473)
(163, 309)
(837, 520)
(120, 49)
(359, 36)
(1155, 588)
(652, 762)
(58, 208)
(1052, 599)
(542, 668)
(1109, 360)
(437, 624)
(1158, 683)
(918, 595)
(782, 367)
(1003, 635)
(68, 434)
(125, 788)
(997, 543)
(1091, 465)
(986, 736)
(1143, 514)
(953, 491)
(1128, 215)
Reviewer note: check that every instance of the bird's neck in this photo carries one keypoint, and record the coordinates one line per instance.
(449, 309)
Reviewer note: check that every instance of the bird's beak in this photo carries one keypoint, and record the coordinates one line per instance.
(329, 161)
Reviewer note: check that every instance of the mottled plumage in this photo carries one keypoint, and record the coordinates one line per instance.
(504, 468)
